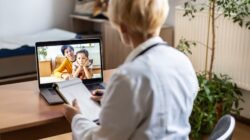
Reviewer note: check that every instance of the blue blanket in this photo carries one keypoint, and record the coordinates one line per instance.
(23, 50)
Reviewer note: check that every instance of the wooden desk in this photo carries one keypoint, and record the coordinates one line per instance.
(25, 115)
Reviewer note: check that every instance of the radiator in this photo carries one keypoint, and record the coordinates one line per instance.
(232, 54)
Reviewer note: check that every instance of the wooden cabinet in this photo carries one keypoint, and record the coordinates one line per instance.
(45, 68)
(113, 50)
(167, 34)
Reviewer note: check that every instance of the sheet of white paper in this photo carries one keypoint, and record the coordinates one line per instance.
(74, 89)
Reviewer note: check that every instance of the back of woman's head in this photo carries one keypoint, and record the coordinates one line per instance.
(141, 16)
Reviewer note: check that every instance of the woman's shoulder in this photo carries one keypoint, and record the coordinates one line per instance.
(65, 60)
(132, 71)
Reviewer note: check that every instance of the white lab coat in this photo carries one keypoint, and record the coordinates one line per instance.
(148, 97)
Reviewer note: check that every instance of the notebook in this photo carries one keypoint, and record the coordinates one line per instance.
(74, 89)
(49, 57)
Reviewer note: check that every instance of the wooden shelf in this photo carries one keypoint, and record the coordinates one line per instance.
(87, 18)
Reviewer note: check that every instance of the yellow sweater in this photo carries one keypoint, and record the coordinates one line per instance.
(66, 65)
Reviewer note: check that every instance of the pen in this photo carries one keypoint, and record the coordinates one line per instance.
(96, 121)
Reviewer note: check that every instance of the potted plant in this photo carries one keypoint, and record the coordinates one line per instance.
(218, 94)
(42, 53)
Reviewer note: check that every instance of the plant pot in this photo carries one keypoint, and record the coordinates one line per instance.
(219, 107)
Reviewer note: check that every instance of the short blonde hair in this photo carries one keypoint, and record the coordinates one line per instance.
(142, 16)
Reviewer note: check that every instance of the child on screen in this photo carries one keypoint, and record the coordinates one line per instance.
(81, 65)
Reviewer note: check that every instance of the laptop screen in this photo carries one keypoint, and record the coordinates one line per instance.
(62, 60)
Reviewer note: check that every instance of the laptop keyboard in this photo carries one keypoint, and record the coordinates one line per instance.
(95, 86)
(52, 91)
(51, 96)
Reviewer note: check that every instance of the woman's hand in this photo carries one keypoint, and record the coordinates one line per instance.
(86, 63)
(97, 95)
(71, 110)
(66, 76)
(80, 67)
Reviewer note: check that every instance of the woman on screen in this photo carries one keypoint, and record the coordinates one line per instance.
(65, 69)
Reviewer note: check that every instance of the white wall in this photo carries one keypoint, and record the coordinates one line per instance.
(172, 4)
(19, 17)
(246, 112)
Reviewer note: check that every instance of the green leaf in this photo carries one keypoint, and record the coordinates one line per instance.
(185, 4)
(241, 23)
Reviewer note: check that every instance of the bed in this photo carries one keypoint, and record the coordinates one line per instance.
(17, 58)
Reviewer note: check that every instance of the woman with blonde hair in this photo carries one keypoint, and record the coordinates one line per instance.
(150, 96)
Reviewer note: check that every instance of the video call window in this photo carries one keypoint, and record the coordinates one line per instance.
(87, 59)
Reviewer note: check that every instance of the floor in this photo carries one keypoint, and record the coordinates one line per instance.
(242, 132)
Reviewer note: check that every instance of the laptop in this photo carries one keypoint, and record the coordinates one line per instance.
(49, 57)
